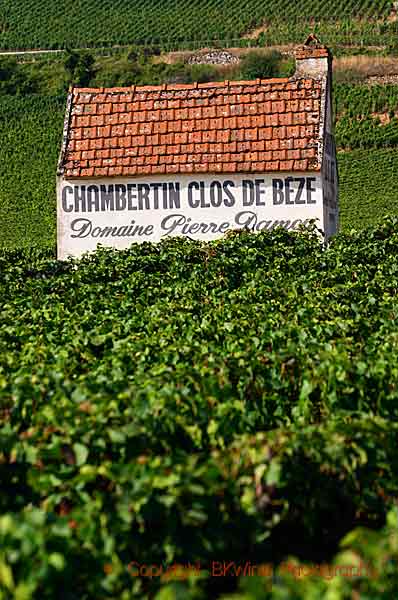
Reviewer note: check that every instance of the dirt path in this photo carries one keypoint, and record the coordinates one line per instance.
(21, 52)
(58, 51)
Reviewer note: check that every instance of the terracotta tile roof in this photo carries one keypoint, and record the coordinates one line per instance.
(229, 127)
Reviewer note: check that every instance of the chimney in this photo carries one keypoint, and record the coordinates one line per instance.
(313, 59)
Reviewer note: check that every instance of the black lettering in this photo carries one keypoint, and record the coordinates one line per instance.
(288, 190)
(185, 227)
(122, 231)
(120, 197)
(171, 222)
(96, 232)
(246, 219)
(310, 190)
(155, 187)
(138, 230)
(193, 203)
(203, 196)
(263, 225)
(216, 196)
(108, 231)
(229, 200)
(131, 188)
(107, 198)
(296, 223)
(248, 185)
(301, 182)
(130, 229)
(66, 207)
(80, 199)
(194, 228)
(224, 227)
(259, 191)
(208, 227)
(277, 191)
(174, 195)
(82, 228)
(143, 196)
(92, 198)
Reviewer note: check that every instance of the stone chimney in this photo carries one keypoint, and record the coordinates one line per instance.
(313, 59)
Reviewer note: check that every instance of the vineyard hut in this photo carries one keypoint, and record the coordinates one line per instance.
(143, 163)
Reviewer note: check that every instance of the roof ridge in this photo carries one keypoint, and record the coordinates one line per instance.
(169, 87)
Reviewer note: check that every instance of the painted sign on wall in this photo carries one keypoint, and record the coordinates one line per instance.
(119, 212)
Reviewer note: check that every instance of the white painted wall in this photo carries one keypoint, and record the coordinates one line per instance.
(202, 207)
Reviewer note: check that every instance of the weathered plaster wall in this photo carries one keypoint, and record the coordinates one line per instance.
(117, 212)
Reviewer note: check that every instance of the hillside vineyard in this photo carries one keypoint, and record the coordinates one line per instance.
(82, 23)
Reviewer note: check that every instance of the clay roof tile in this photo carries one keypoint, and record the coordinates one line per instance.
(205, 127)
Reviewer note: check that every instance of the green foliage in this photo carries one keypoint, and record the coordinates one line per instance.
(192, 402)
(23, 78)
(132, 67)
(361, 100)
(30, 134)
(359, 109)
(340, 25)
(260, 65)
(367, 186)
(82, 24)
(201, 73)
(80, 67)
(367, 177)
(368, 132)
(13, 80)
(366, 567)
(142, 54)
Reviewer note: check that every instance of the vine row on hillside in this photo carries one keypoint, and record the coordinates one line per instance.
(48, 24)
